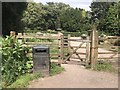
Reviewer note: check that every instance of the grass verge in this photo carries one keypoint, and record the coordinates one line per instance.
(55, 69)
(104, 66)
(23, 81)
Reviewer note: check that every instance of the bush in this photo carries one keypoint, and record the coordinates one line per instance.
(23, 81)
(16, 63)
(14, 60)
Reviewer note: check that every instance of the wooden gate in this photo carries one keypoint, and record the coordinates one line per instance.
(73, 49)
(91, 48)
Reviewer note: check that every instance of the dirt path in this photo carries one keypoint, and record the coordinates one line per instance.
(76, 76)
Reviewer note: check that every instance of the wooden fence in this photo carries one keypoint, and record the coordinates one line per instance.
(60, 48)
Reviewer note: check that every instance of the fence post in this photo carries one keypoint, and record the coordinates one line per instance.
(96, 45)
(13, 35)
(20, 40)
(60, 48)
(94, 48)
(59, 56)
(24, 39)
(69, 42)
(87, 52)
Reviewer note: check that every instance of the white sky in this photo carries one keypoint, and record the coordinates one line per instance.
(73, 3)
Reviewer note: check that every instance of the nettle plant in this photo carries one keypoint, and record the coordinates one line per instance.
(15, 61)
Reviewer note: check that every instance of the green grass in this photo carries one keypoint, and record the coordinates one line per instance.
(53, 50)
(107, 67)
(23, 81)
(104, 66)
(55, 69)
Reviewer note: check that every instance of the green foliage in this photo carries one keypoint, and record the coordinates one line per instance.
(11, 16)
(0, 40)
(36, 16)
(99, 9)
(104, 66)
(54, 11)
(32, 17)
(16, 63)
(14, 60)
(106, 16)
(54, 50)
(111, 21)
(23, 81)
(55, 69)
(73, 21)
(53, 16)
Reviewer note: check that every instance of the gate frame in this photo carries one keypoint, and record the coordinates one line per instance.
(91, 49)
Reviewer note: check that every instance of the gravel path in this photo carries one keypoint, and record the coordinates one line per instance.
(76, 76)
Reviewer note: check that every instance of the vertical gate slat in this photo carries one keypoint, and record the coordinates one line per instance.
(87, 52)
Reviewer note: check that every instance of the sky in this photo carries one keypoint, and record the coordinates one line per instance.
(73, 3)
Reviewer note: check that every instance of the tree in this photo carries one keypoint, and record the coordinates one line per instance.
(73, 20)
(111, 21)
(11, 16)
(54, 10)
(99, 9)
(33, 17)
(104, 15)
(53, 16)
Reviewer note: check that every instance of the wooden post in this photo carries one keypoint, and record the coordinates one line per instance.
(87, 52)
(59, 59)
(13, 35)
(62, 47)
(24, 39)
(59, 49)
(94, 48)
(20, 40)
(69, 42)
